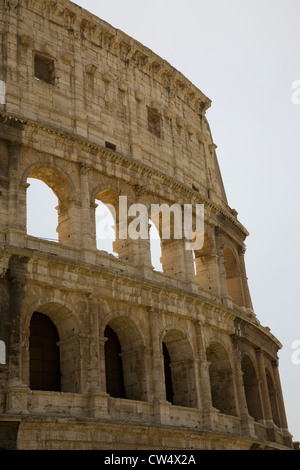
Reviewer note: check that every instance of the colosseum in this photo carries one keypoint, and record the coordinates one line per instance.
(101, 351)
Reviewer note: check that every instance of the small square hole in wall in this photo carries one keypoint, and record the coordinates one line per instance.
(110, 146)
(154, 122)
(44, 69)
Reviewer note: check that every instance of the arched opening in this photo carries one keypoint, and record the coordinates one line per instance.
(221, 380)
(49, 206)
(178, 369)
(107, 222)
(251, 389)
(125, 360)
(2, 353)
(64, 339)
(113, 365)
(155, 247)
(168, 375)
(168, 221)
(44, 354)
(105, 228)
(42, 217)
(273, 399)
(233, 278)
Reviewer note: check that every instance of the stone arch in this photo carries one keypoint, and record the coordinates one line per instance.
(133, 355)
(179, 371)
(69, 343)
(221, 378)
(273, 398)
(233, 277)
(57, 179)
(105, 185)
(251, 387)
(63, 188)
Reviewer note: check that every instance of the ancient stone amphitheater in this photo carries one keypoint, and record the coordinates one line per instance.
(101, 351)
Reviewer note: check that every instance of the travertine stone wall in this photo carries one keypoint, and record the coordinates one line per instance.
(96, 115)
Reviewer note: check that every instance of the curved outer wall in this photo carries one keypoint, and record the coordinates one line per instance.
(94, 114)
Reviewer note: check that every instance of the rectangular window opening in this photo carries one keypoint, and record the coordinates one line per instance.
(110, 146)
(44, 69)
(154, 122)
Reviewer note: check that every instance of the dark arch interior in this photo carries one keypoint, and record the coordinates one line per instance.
(113, 365)
(44, 354)
(168, 376)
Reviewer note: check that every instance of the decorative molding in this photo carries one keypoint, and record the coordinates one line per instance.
(25, 40)
(180, 121)
(123, 86)
(127, 162)
(91, 69)
(67, 57)
(48, 48)
(86, 26)
(139, 95)
(190, 129)
(168, 113)
(107, 77)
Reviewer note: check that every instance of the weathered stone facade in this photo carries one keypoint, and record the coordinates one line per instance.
(94, 115)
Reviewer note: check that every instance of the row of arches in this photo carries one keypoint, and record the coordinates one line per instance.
(52, 367)
(49, 215)
(42, 221)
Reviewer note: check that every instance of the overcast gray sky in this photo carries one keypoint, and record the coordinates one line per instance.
(245, 56)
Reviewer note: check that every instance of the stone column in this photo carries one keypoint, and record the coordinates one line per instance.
(174, 257)
(210, 414)
(243, 407)
(204, 385)
(242, 403)
(69, 223)
(282, 414)
(244, 279)
(266, 406)
(221, 272)
(16, 400)
(87, 240)
(94, 347)
(98, 402)
(189, 265)
(207, 273)
(157, 380)
(247, 421)
(136, 252)
(161, 407)
(13, 189)
(102, 371)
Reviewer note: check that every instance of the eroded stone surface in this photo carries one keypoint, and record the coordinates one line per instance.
(95, 115)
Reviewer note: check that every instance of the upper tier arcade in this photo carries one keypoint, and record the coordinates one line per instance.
(76, 73)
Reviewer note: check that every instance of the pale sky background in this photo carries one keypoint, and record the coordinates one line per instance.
(245, 56)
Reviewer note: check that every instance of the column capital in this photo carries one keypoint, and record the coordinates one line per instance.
(275, 363)
(259, 352)
(14, 148)
(241, 250)
(85, 167)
